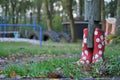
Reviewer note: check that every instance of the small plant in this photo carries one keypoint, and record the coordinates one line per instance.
(116, 39)
(113, 66)
(111, 36)
(18, 70)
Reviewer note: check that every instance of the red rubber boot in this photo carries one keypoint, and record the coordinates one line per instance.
(99, 46)
(86, 57)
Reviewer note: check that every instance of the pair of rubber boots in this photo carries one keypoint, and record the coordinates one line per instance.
(95, 54)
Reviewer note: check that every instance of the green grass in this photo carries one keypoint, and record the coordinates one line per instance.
(45, 67)
(64, 64)
(112, 50)
(26, 48)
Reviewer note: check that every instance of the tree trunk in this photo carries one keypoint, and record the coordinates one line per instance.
(13, 14)
(39, 5)
(25, 18)
(87, 9)
(118, 19)
(6, 9)
(72, 26)
(38, 14)
(103, 14)
(31, 18)
(95, 18)
(81, 6)
(51, 7)
(48, 16)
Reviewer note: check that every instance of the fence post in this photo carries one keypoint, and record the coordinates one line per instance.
(40, 36)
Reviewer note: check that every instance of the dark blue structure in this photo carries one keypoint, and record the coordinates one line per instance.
(34, 25)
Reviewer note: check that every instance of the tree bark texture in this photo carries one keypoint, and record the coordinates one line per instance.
(72, 26)
(81, 6)
(118, 19)
(51, 8)
(103, 15)
(38, 14)
(87, 8)
(94, 19)
(48, 16)
(13, 4)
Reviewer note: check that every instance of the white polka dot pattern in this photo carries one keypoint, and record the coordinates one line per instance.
(86, 52)
(100, 52)
(82, 62)
(97, 40)
(82, 54)
(99, 46)
(93, 58)
(96, 32)
(84, 36)
(96, 56)
(85, 40)
(82, 45)
(87, 61)
(101, 37)
(84, 58)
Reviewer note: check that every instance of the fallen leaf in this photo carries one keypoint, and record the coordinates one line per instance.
(13, 74)
(71, 75)
(56, 75)
(40, 77)
(12, 57)
(87, 67)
